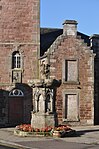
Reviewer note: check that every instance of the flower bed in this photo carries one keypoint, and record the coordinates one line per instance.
(27, 130)
(63, 131)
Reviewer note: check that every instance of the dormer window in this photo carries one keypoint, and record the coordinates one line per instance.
(16, 60)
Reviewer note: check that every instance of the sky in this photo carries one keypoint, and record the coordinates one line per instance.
(85, 12)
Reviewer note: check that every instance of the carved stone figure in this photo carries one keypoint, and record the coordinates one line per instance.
(49, 102)
(44, 69)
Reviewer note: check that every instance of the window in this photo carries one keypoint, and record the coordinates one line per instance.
(16, 92)
(70, 107)
(16, 65)
(16, 60)
(71, 70)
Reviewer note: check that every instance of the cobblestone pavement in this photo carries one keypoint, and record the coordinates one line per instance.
(87, 137)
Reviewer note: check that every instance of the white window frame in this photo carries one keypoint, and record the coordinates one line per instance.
(16, 60)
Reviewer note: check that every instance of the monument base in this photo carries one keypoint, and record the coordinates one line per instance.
(42, 120)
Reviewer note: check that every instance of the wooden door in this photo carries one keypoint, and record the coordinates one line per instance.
(15, 110)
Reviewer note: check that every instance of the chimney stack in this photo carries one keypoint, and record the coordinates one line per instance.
(70, 28)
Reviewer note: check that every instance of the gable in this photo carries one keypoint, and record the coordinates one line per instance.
(49, 35)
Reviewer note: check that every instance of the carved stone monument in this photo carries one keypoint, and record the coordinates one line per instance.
(43, 113)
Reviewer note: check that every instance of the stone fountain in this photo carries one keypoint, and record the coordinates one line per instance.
(44, 113)
(44, 90)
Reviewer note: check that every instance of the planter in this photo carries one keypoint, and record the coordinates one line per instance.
(26, 134)
(69, 133)
(56, 134)
(60, 131)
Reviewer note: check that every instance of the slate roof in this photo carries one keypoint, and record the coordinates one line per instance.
(49, 35)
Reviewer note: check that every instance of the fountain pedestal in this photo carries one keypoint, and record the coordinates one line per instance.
(41, 120)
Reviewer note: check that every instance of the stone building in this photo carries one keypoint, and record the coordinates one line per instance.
(19, 52)
(71, 61)
(51, 72)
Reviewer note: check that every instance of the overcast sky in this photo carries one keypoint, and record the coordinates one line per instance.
(86, 12)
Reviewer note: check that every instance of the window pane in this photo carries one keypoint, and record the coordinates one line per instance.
(14, 62)
(18, 62)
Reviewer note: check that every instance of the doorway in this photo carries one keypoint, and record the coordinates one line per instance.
(15, 110)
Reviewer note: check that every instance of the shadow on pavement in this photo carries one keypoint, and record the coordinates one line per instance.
(79, 133)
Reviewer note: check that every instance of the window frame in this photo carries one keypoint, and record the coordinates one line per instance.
(64, 71)
(16, 60)
(19, 93)
(71, 92)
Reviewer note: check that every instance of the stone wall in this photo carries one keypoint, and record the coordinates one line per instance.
(94, 39)
(19, 21)
(19, 31)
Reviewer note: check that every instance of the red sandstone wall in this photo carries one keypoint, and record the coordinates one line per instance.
(72, 48)
(19, 20)
(19, 23)
(19, 30)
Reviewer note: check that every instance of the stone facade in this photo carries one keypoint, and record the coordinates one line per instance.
(72, 62)
(61, 86)
(19, 52)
